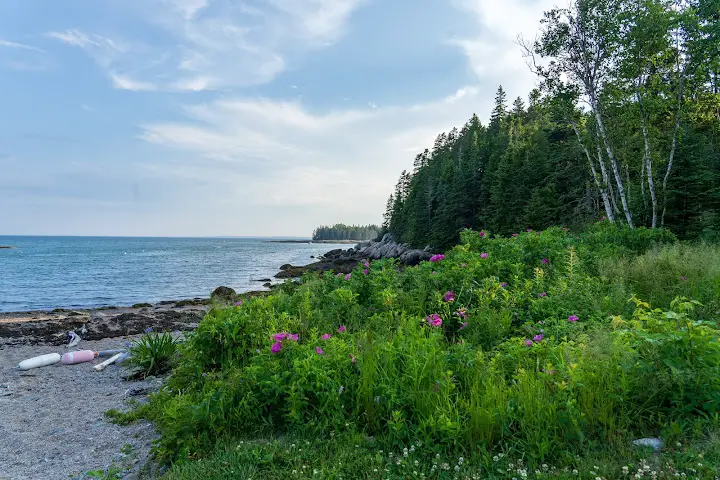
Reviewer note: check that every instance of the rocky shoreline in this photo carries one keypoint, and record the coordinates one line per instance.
(344, 261)
(50, 328)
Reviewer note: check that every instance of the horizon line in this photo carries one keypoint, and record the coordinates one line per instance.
(293, 237)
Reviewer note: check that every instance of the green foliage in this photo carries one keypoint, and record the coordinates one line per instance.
(112, 472)
(662, 274)
(678, 360)
(153, 354)
(536, 353)
(354, 456)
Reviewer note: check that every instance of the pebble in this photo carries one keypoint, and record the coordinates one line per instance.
(64, 416)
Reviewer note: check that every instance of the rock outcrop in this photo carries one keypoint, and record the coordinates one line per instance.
(389, 248)
(51, 328)
(344, 261)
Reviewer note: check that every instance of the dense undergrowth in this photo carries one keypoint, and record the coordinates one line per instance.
(522, 357)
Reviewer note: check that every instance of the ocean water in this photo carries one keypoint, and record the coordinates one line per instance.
(84, 272)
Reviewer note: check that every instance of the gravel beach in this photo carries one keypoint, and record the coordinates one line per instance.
(52, 423)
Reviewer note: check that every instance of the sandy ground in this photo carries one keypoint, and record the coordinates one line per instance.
(52, 423)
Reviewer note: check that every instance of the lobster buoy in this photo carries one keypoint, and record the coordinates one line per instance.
(81, 356)
(39, 361)
(109, 353)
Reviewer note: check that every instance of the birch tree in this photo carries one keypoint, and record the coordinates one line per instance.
(580, 44)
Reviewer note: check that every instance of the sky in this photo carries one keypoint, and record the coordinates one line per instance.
(236, 117)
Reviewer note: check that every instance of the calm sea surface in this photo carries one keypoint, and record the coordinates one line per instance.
(74, 272)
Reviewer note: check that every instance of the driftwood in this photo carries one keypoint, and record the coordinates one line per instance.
(101, 366)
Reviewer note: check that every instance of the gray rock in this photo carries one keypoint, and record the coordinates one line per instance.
(654, 443)
(223, 294)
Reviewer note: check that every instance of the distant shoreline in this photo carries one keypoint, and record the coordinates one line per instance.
(331, 242)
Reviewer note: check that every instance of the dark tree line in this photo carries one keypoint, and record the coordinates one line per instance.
(626, 125)
(346, 232)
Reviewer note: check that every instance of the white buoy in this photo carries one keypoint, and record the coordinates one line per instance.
(39, 361)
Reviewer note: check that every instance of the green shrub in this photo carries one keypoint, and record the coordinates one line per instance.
(677, 368)
(153, 354)
(510, 344)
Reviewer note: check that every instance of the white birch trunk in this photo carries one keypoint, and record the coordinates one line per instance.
(673, 145)
(647, 161)
(613, 161)
(601, 187)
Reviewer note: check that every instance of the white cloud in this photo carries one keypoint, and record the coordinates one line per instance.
(212, 44)
(126, 83)
(23, 57)
(87, 108)
(494, 54)
(319, 20)
(8, 44)
(189, 8)
(265, 152)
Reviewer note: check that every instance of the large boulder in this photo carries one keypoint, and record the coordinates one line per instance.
(388, 237)
(223, 294)
(334, 253)
(292, 272)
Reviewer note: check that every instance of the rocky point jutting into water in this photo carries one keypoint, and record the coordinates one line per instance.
(344, 261)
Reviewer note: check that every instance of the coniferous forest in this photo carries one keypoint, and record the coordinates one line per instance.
(340, 231)
(625, 124)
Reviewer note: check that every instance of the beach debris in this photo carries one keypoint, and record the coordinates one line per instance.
(81, 356)
(654, 443)
(110, 353)
(39, 361)
(123, 358)
(83, 330)
(73, 339)
(101, 366)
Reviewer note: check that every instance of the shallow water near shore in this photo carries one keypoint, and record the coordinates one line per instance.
(43, 273)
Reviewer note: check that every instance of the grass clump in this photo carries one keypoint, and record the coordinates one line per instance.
(152, 354)
(522, 349)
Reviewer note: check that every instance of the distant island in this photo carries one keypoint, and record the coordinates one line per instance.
(341, 232)
(6, 246)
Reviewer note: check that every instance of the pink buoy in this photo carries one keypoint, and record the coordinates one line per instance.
(81, 356)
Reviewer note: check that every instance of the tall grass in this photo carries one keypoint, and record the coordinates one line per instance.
(664, 273)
